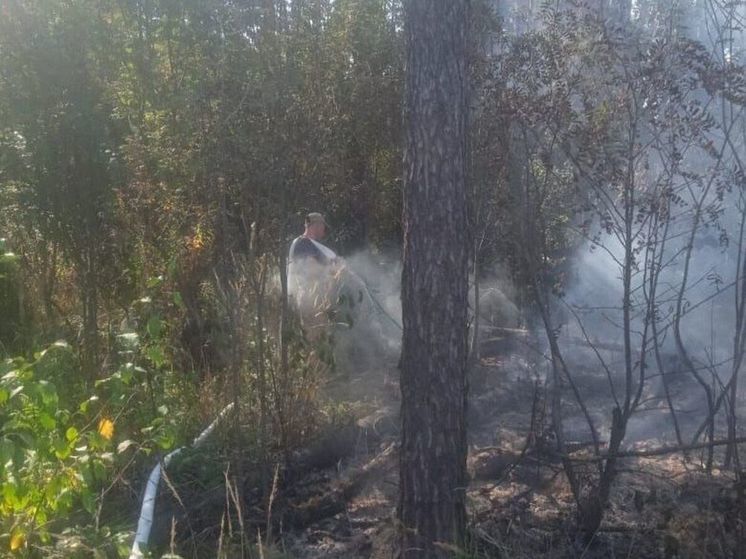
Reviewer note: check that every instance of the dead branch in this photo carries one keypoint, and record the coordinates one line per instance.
(658, 451)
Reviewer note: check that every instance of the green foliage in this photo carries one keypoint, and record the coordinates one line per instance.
(52, 455)
(60, 456)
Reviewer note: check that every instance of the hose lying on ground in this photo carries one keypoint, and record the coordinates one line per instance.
(145, 523)
(147, 510)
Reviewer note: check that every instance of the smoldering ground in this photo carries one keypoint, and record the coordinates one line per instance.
(590, 322)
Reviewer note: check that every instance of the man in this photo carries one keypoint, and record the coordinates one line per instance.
(311, 270)
(332, 300)
(308, 245)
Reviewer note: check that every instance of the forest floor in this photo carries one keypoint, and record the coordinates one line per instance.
(519, 502)
(340, 500)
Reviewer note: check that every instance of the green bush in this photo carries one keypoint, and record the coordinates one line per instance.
(52, 457)
(61, 452)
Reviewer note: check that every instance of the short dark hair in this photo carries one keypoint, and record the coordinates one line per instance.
(315, 217)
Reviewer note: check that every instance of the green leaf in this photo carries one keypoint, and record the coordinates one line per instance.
(125, 375)
(178, 300)
(61, 449)
(155, 326)
(48, 393)
(99, 469)
(10, 495)
(85, 405)
(71, 434)
(89, 501)
(155, 354)
(166, 441)
(96, 441)
(47, 421)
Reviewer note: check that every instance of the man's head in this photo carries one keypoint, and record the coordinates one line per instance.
(315, 226)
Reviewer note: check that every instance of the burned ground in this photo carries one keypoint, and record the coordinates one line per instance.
(337, 497)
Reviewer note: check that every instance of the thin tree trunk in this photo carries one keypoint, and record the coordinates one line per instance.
(90, 317)
(50, 277)
(433, 478)
(258, 277)
(284, 331)
(21, 297)
(474, 354)
(738, 342)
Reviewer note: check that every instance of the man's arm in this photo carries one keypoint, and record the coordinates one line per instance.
(304, 248)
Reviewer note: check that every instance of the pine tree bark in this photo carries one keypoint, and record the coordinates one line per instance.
(433, 478)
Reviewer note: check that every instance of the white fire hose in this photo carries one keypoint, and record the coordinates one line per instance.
(145, 523)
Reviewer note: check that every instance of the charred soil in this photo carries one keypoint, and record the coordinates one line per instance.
(337, 496)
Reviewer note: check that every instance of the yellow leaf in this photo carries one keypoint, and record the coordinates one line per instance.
(16, 541)
(106, 428)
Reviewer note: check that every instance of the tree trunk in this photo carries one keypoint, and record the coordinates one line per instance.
(433, 478)
(284, 330)
(89, 297)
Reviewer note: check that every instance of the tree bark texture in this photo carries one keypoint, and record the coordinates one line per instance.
(433, 475)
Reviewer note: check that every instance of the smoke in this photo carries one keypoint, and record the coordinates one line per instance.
(592, 316)
(378, 276)
(375, 280)
(497, 296)
(355, 305)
